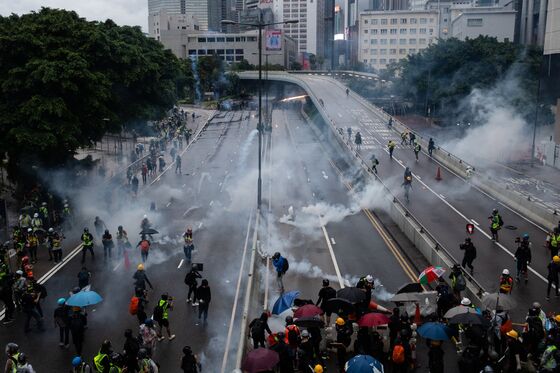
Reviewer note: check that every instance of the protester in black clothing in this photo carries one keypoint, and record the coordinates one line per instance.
(326, 293)
(435, 356)
(108, 244)
(62, 321)
(553, 271)
(6, 296)
(130, 350)
(77, 328)
(470, 254)
(83, 278)
(286, 364)
(394, 325)
(257, 327)
(204, 297)
(140, 278)
(189, 361)
(191, 282)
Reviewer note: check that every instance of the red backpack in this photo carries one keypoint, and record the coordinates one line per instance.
(398, 354)
(133, 305)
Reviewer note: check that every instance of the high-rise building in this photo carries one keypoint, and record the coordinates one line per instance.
(208, 13)
(161, 22)
(309, 33)
(170, 6)
(532, 21)
(329, 34)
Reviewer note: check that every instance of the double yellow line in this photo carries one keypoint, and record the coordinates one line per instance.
(383, 233)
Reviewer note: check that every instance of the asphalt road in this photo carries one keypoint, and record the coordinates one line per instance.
(443, 207)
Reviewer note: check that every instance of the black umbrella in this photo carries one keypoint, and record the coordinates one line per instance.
(309, 322)
(412, 287)
(467, 318)
(351, 294)
(149, 231)
(340, 306)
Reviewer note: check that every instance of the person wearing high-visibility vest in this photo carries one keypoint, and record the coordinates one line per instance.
(36, 222)
(102, 360)
(161, 315)
(553, 241)
(87, 241)
(496, 223)
(32, 243)
(12, 351)
(44, 212)
(506, 282)
(548, 359)
(391, 146)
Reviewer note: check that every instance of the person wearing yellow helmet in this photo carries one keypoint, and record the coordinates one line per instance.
(318, 369)
(515, 352)
(140, 278)
(553, 271)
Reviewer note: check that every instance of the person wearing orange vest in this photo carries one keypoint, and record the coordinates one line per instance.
(144, 246)
(291, 333)
(506, 282)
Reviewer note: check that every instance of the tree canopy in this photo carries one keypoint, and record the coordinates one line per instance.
(65, 82)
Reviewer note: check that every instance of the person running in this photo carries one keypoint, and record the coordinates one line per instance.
(347, 92)
(257, 327)
(326, 293)
(122, 240)
(374, 163)
(431, 146)
(140, 278)
(189, 361)
(204, 296)
(161, 316)
(470, 254)
(404, 137)
(417, 149)
(523, 258)
(87, 245)
(191, 282)
(144, 246)
(496, 224)
(62, 321)
(178, 164)
(108, 244)
(391, 146)
(553, 271)
(281, 266)
(358, 140)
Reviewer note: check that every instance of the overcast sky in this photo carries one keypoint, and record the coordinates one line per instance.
(123, 12)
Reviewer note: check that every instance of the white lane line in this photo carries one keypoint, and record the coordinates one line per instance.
(333, 257)
(442, 196)
(333, 241)
(211, 202)
(168, 204)
(199, 225)
(340, 115)
(234, 308)
(180, 263)
(117, 266)
(474, 222)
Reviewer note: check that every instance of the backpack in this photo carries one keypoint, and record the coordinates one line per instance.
(460, 284)
(133, 305)
(144, 245)
(292, 335)
(500, 220)
(158, 313)
(188, 364)
(398, 354)
(285, 266)
(41, 289)
(535, 327)
(258, 328)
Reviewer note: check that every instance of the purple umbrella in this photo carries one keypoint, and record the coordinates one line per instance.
(260, 360)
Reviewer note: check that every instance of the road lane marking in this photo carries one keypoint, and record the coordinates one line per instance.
(199, 225)
(168, 204)
(211, 202)
(474, 222)
(333, 257)
(237, 290)
(117, 266)
(333, 241)
(442, 196)
(180, 263)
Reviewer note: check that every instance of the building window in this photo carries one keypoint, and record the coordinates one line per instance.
(251, 38)
(383, 21)
(412, 51)
(402, 51)
(432, 20)
(229, 51)
(392, 60)
(403, 31)
(365, 61)
(211, 40)
(192, 52)
(474, 22)
(237, 38)
(221, 40)
(422, 30)
(366, 21)
(422, 41)
(374, 32)
(239, 58)
(412, 31)
(384, 32)
(220, 51)
(229, 58)
(230, 40)
(383, 61)
(373, 41)
(374, 52)
(393, 41)
(365, 31)
(393, 31)
(202, 40)
(411, 41)
(392, 51)
(364, 51)
(374, 21)
(201, 52)
(402, 41)
(383, 51)
(403, 21)
(383, 41)
(394, 21)
(374, 60)
(413, 21)
(506, 40)
(239, 51)
(423, 21)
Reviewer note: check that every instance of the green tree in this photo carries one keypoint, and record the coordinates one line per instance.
(210, 72)
(67, 81)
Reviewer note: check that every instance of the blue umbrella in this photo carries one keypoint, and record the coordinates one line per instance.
(83, 299)
(434, 330)
(285, 301)
(363, 364)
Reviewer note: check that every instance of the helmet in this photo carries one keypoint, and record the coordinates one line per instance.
(35, 215)
(289, 320)
(51, 230)
(76, 361)
(106, 344)
(142, 353)
(318, 369)
(149, 322)
(466, 302)
(556, 259)
(369, 278)
(513, 334)
(145, 216)
(495, 211)
(326, 282)
(12, 348)
(19, 272)
(140, 267)
(29, 230)
(106, 231)
(557, 318)
(97, 218)
(120, 228)
(187, 350)
(276, 255)
(189, 229)
(66, 205)
(505, 272)
(537, 305)
(304, 334)
(76, 290)
(44, 204)
(61, 301)
(340, 321)
(86, 229)
(525, 236)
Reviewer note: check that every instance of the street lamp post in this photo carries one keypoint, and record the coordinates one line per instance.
(260, 27)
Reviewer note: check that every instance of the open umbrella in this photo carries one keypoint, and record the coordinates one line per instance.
(434, 330)
(373, 319)
(430, 274)
(284, 302)
(309, 322)
(467, 318)
(149, 231)
(340, 306)
(363, 364)
(259, 360)
(351, 294)
(496, 300)
(308, 310)
(458, 310)
(84, 299)
(412, 287)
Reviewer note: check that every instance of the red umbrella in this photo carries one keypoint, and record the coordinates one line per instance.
(309, 310)
(259, 360)
(373, 319)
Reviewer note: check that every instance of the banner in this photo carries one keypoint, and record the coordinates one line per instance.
(273, 40)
